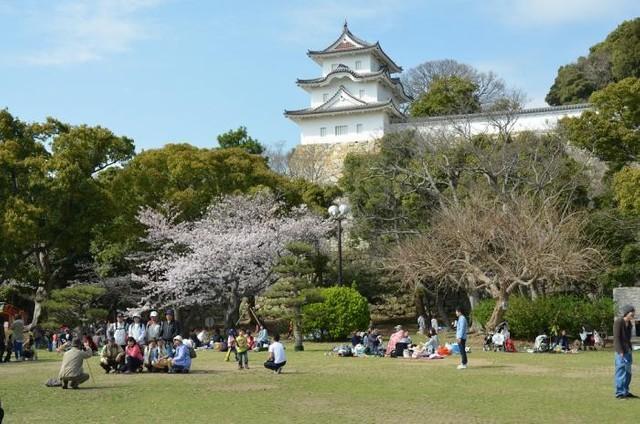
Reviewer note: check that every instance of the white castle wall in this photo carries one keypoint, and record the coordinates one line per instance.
(373, 127)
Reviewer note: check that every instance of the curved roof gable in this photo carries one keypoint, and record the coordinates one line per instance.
(347, 41)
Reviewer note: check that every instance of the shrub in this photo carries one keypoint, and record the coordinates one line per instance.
(527, 318)
(482, 312)
(342, 311)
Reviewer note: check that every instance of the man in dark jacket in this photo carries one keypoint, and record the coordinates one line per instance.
(170, 328)
(622, 345)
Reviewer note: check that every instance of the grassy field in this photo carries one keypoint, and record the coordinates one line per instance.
(315, 388)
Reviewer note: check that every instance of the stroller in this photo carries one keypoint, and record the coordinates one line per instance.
(496, 340)
(542, 344)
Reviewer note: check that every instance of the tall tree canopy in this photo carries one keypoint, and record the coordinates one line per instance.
(488, 86)
(240, 138)
(50, 198)
(612, 130)
(447, 96)
(614, 59)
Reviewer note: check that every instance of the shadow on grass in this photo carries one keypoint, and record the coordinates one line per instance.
(487, 367)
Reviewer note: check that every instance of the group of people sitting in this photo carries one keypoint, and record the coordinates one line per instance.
(156, 356)
(400, 344)
(204, 338)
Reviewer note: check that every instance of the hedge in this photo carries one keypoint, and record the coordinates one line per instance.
(342, 311)
(528, 318)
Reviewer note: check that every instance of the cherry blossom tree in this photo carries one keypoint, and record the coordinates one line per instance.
(222, 257)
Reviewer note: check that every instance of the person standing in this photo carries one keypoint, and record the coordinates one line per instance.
(277, 358)
(170, 328)
(137, 331)
(242, 345)
(422, 324)
(153, 326)
(17, 329)
(71, 369)
(461, 336)
(118, 330)
(622, 345)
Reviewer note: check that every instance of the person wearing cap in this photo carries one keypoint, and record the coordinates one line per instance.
(153, 326)
(137, 331)
(181, 361)
(71, 371)
(118, 330)
(622, 344)
(112, 356)
(170, 328)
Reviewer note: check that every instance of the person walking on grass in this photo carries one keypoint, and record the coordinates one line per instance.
(622, 345)
(71, 371)
(242, 346)
(277, 358)
(461, 336)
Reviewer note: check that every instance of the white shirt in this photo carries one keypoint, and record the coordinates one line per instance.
(277, 349)
(136, 330)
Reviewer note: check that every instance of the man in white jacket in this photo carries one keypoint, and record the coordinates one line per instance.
(137, 330)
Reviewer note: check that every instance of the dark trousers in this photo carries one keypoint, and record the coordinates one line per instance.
(17, 349)
(132, 364)
(463, 351)
(109, 364)
(273, 366)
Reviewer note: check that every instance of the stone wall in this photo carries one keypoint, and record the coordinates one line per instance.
(323, 163)
(626, 296)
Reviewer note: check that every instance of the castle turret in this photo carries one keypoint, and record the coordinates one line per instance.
(357, 96)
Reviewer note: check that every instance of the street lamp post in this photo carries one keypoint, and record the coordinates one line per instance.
(338, 213)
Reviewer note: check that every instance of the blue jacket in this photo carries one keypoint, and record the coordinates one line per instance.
(461, 328)
(182, 357)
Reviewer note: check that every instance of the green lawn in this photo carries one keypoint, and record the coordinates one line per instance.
(316, 388)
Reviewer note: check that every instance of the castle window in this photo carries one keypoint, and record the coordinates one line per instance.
(361, 95)
(325, 97)
(342, 129)
(323, 131)
(334, 66)
(358, 128)
(358, 64)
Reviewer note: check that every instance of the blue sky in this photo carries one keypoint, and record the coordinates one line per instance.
(163, 71)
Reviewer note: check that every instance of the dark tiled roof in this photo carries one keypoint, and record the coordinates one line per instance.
(580, 106)
(360, 108)
(372, 48)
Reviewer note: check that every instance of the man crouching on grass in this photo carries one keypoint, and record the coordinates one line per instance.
(71, 370)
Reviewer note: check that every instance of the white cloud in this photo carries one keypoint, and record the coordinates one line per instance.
(82, 31)
(557, 12)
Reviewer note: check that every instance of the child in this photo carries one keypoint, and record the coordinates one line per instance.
(242, 346)
(231, 344)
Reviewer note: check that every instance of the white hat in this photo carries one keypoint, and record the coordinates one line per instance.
(178, 338)
(153, 314)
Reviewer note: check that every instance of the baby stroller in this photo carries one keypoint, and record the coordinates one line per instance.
(496, 340)
(542, 343)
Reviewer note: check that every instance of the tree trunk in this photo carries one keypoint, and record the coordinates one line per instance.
(297, 330)
(418, 296)
(474, 299)
(497, 316)
(232, 312)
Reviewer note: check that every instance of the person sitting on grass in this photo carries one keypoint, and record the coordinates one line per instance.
(395, 338)
(181, 362)
(71, 371)
(112, 356)
(250, 340)
(432, 344)
(262, 339)
(277, 358)
(151, 355)
(242, 346)
(133, 357)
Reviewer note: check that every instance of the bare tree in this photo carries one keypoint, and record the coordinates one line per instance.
(278, 158)
(488, 245)
(309, 162)
(491, 88)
